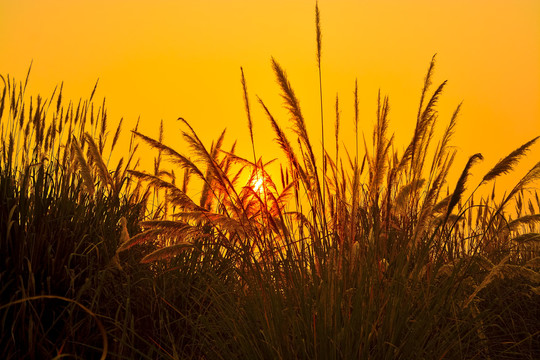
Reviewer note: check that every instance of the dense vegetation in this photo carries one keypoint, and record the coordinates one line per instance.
(347, 255)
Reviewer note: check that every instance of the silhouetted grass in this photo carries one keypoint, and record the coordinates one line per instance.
(346, 256)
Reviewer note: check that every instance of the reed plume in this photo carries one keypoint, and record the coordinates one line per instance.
(506, 165)
(97, 159)
(175, 157)
(319, 47)
(460, 185)
(248, 113)
(293, 106)
(531, 176)
(85, 170)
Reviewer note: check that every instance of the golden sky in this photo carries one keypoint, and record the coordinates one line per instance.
(165, 59)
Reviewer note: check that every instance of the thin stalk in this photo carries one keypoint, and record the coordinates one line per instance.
(248, 113)
(319, 41)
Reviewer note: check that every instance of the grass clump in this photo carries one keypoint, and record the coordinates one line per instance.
(363, 256)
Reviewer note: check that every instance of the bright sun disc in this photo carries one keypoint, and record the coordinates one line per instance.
(257, 184)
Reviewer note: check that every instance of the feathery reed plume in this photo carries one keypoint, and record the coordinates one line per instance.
(430, 207)
(167, 252)
(93, 91)
(224, 222)
(430, 108)
(442, 161)
(524, 220)
(527, 238)
(2, 102)
(417, 149)
(179, 230)
(116, 134)
(175, 157)
(59, 100)
(356, 114)
(248, 113)
(118, 180)
(291, 104)
(506, 165)
(336, 130)
(85, 170)
(138, 239)
(355, 186)
(124, 237)
(157, 160)
(285, 145)
(198, 148)
(185, 181)
(103, 124)
(441, 205)
(460, 185)
(381, 147)
(425, 129)
(444, 144)
(319, 34)
(402, 197)
(531, 176)
(96, 158)
(27, 76)
(208, 192)
(213, 171)
(427, 84)
(319, 45)
(175, 195)
(493, 273)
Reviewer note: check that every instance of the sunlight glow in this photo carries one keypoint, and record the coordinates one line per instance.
(188, 52)
(257, 184)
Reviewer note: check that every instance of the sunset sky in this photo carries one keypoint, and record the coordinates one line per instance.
(166, 59)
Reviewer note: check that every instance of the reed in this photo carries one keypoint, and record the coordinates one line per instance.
(398, 270)
(357, 255)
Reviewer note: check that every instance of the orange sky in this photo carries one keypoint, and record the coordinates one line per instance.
(165, 59)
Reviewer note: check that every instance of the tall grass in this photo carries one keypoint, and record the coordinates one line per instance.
(59, 208)
(340, 257)
(391, 266)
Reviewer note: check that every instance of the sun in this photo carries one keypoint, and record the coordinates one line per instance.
(257, 184)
